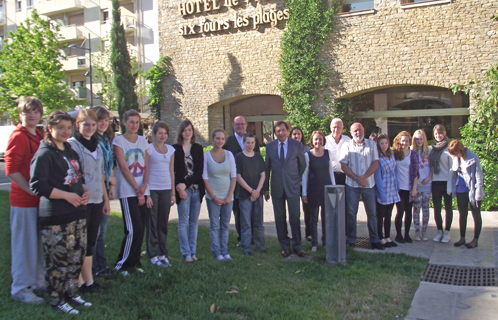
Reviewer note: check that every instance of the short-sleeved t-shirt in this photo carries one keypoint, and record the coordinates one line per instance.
(250, 169)
(134, 154)
(159, 174)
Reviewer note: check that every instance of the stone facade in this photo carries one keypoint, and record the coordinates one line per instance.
(436, 45)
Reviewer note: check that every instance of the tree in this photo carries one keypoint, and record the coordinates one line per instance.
(102, 71)
(157, 75)
(31, 65)
(126, 97)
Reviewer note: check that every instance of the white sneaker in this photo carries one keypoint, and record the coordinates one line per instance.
(220, 258)
(165, 261)
(80, 302)
(446, 237)
(66, 308)
(227, 257)
(417, 235)
(383, 241)
(424, 236)
(438, 236)
(27, 296)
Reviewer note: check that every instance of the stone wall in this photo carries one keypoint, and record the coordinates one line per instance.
(431, 45)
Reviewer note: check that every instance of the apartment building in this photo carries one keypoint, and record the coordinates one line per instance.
(87, 24)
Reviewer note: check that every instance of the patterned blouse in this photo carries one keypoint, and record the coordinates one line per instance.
(388, 188)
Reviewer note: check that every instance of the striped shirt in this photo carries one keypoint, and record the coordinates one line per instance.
(359, 158)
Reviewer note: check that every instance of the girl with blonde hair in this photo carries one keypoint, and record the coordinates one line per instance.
(423, 197)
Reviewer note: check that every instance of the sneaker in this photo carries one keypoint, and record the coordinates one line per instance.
(417, 235)
(159, 264)
(66, 308)
(27, 296)
(424, 236)
(227, 257)
(438, 236)
(314, 249)
(220, 258)
(165, 261)
(140, 270)
(446, 237)
(125, 273)
(79, 301)
(383, 241)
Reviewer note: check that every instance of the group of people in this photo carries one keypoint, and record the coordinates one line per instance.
(62, 184)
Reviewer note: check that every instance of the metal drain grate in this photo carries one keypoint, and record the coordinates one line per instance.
(461, 276)
(363, 243)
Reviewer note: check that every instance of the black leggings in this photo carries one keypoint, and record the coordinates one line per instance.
(404, 207)
(384, 219)
(463, 209)
(93, 217)
(438, 193)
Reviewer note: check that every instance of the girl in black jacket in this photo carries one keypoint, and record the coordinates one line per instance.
(56, 177)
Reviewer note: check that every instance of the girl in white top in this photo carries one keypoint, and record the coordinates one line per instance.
(220, 176)
(423, 197)
(131, 189)
(162, 177)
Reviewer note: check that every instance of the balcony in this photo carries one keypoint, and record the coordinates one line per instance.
(56, 7)
(70, 33)
(74, 63)
(79, 92)
(129, 24)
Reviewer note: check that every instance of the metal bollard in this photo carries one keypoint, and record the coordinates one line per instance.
(335, 221)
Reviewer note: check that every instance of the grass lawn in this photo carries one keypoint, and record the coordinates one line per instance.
(370, 286)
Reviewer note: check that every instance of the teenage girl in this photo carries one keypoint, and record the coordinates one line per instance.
(87, 147)
(56, 177)
(161, 180)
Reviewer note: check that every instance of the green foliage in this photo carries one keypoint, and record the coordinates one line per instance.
(124, 81)
(102, 71)
(303, 74)
(480, 134)
(31, 66)
(156, 75)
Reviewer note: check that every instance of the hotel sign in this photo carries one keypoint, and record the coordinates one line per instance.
(204, 25)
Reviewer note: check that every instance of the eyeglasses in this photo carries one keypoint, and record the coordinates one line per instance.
(239, 124)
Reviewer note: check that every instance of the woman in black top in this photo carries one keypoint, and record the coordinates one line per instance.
(57, 178)
(189, 164)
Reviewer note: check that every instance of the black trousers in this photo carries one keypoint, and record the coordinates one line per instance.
(404, 207)
(463, 209)
(384, 213)
(438, 193)
(134, 218)
(93, 218)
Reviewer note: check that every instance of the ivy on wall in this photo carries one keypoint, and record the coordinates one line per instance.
(303, 75)
(156, 75)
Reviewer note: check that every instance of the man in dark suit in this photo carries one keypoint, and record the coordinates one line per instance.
(235, 144)
(285, 160)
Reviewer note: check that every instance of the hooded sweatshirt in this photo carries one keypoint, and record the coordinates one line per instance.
(54, 168)
(21, 148)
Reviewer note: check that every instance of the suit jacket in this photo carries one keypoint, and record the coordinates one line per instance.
(233, 145)
(285, 176)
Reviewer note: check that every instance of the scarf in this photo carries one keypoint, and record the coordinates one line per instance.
(91, 144)
(105, 145)
(436, 152)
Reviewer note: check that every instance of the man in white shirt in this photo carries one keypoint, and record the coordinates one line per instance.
(334, 143)
(359, 159)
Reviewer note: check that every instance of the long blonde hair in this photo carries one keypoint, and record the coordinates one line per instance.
(424, 151)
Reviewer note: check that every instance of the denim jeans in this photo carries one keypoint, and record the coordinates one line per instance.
(251, 218)
(219, 218)
(188, 214)
(99, 259)
(352, 203)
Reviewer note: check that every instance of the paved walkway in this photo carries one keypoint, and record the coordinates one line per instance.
(431, 301)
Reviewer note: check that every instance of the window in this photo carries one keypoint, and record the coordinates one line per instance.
(29, 4)
(18, 5)
(1, 42)
(1, 13)
(357, 5)
(105, 15)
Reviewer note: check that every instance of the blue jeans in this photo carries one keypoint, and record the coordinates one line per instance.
(188, 214)
(352, 203)
(99, 259)
(251, 215)
(219, 218)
